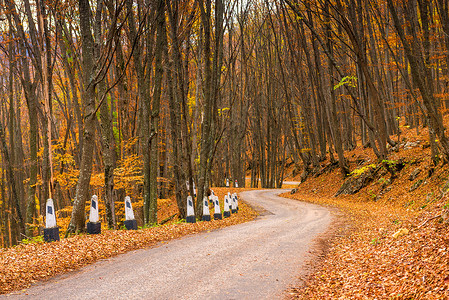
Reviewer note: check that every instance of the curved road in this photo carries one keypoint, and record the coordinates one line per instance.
(254, 260)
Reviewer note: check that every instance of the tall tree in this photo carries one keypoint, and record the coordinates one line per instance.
(88, 97)
(161, 40)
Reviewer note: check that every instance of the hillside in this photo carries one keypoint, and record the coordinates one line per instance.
(392, 239)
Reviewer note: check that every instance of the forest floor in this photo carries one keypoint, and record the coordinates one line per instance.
(33, 261)
(392, 240)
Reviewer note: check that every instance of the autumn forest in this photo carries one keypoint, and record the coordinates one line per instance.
(138, 98)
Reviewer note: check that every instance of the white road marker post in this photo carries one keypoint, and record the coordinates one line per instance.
(94, 224)
(226, 212)
(233, 204)
(130, 221)
(190, 218)
(51, 230)
(206, 213)
(217, 209)
(236, 184)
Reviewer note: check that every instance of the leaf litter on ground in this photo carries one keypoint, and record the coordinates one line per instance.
(395, 242)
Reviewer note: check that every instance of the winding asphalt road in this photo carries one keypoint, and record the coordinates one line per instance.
(255, 260)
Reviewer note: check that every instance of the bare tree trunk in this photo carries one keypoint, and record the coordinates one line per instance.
(154, 129)
(206, 128)
(47, 88)
(108, 144)
(77, 222)
(175, 122)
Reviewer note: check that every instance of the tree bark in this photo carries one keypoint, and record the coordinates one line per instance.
(77, 221)
(154, 129)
